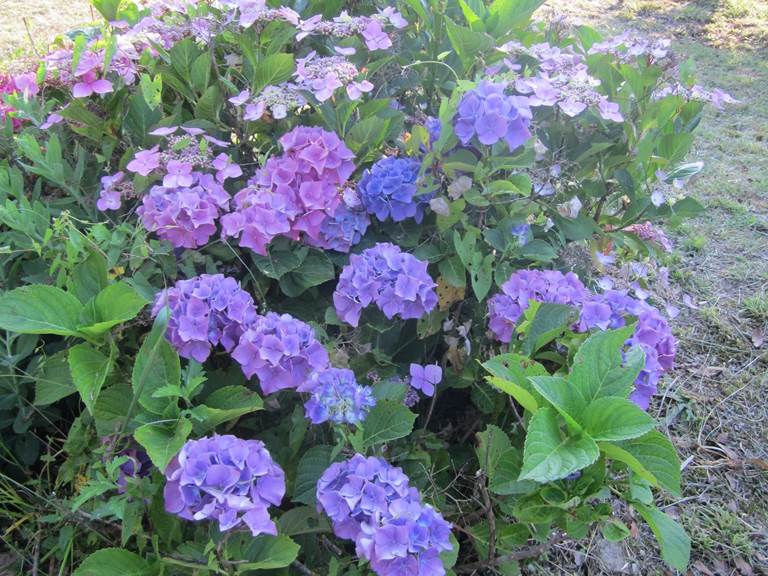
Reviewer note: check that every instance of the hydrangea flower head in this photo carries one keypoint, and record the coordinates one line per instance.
(345, 228)
(372, 503)
(397, 282)
(227, 479)
(281, 351)
(550, 286)
(389, 188)
(323, 75)
(205, 311)
(489, 114)
(337, 397)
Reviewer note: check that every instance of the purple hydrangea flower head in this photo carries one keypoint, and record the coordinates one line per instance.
(282, 351)
(344, 229)
(278, 100)
(369, 28)
(647, 231)
(610, 310)
(397, 282)
(294, 193)
(186, 217)
(372, 503)
(205, 311)
(227, 479)
(337, 397)
(323, 75)
(426, 378)
(489, 114)
(389, 188)
(546, 286)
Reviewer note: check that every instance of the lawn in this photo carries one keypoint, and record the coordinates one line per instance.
(714, 403)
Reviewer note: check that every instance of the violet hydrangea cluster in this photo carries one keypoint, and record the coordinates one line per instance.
(372, 503)
(345, 228)
(281, 351)
(388, 189)
(489, 114)
(371, 29)
(396, 282)
(294, 193)
(546, 286)
(205, 311)
(337, 397)
(323, 75)
(227, 479)
(609, 310)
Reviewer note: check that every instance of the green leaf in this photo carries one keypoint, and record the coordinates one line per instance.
(152, 89)
(387, 421)
(209, 104)
(466, 42)
(113, 562)
(559, 392)
(107, 8)
(303, 520)
(511, 373)
(109, 411)
(282, 257)
(658, 456)
(270, 552)
(114, 305)
(162, 441)
(506, 14)
(39, 309)
(614, 419)
(157, 365)
(550, 321)
(89, 369)
(201, 72)
(615, 531)
(53, 380)
(89, 277)
(501, 462)
(139, 118)
(316, 269)
(481, 274)
(313, 463)
(492, 444)
(183, 55)
(453, 271)
(675, 543)
(520, 394)
(225, 404)
(273, 70)
(548, 455)
(597, 367)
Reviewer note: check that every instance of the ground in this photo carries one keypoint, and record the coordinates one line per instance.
(714, 404)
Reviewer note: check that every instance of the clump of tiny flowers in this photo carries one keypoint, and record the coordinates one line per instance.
(546, 286)
(609, 310)
(205, 311)
(631, 45)
(279, 101)
(370, 28)
(227, 479)
(388, 189)
(489, 114)
(323, 75)
(337, 397)
(397, 282)
(372, 503)
(716, 97)
(562, 79)
(647, 231)
(281, 351)
(293, 193)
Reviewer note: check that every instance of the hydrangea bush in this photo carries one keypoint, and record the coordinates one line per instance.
(316, 287)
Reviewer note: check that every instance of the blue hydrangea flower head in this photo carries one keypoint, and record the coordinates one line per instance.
(388, 189)
(337, 397)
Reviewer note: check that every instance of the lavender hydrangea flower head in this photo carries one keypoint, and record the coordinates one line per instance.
(371, 502)
(389, 188)
(397, 282)
(426, 378)
(293, 193)
(337, 397)
(186, 217)
(323, 75)
(205, 311)
(489, 114)
(550, 286)
(281, 351)
(369, 28)
(227, 479)
(277, 100)
(609, 310)
(345, 228)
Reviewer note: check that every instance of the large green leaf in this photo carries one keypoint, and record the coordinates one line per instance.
(387, 421)
(303, 520)
(559, 392)
(40, 309)
(53, 380)
(110, 409)
(89, 277)
(466, 42)
(481, 274)
(225, 404)
(270, 552)
(313, 463)
(115, 304)
(675, 543)
(89, 369)
(273, 70)
(507, 14)
(316, 269)
(157, 365)
(597, 368)
(550, 321)
(549, 455)
(615, 419)
(163, 440)
(113, 562)
(510, 375)
(658, 456)
(501, 462)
